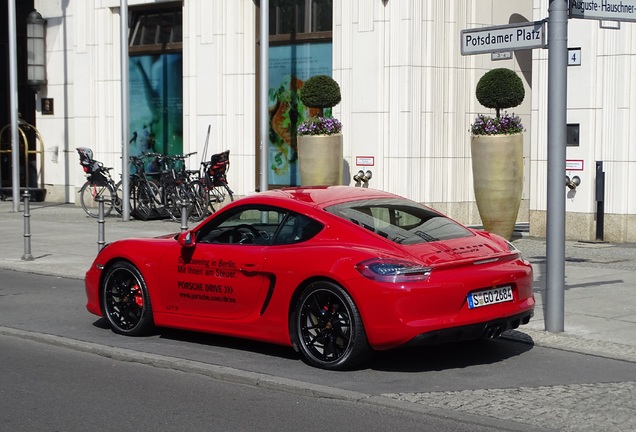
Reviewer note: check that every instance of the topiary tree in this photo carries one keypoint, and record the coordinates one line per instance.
(499, 89)
(320, 91)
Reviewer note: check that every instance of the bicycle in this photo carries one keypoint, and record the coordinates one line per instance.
(148, 198)
(173, 182)
(99, 183)
(211, 183)
(145, 196)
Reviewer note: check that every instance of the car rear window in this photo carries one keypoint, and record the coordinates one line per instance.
(400, 220)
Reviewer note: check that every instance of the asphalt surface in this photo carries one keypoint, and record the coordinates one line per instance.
(599, 309)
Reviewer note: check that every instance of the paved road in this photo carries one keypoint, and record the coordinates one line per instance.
(41, 391)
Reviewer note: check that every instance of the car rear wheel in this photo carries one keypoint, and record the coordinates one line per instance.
(126, 301)
(329, 327)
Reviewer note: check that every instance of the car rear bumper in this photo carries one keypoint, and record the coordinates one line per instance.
(488, 329)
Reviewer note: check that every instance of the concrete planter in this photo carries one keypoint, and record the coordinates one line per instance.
(320, 160)
(498, 180)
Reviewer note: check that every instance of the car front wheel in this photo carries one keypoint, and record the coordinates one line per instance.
(329, 327)
(126, 301)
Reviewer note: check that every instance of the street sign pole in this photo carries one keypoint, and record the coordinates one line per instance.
(125, 111)
(557, 128)
(264, 94)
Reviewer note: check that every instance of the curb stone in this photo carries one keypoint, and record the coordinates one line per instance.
(577, 344)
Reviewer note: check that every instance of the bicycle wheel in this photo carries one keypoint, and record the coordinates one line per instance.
(145, 198)
(230, 193)
(88, 198)
(174, 197)
(119, 196)
(200, 201)
(219, 194)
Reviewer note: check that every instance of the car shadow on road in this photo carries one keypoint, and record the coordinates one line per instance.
(101, 323)
(228, 342)
(447, 356)
(412, 359)
(212, 340)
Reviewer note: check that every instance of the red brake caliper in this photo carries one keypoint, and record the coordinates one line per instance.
(139, 299)
(328, 324)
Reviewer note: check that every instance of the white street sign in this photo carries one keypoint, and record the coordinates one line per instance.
(611, 10)
(504, 38)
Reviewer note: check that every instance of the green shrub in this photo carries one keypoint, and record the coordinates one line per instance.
(499, 89)
(320, 91)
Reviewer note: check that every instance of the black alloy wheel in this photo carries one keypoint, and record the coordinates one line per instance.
(126, 301)
(330, 331)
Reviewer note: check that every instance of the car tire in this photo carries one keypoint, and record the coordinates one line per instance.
(126, 301)
(329, 328)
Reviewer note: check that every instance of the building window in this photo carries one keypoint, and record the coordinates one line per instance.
(300, 17)
(156, 79)
(155, 29)
(300, 47)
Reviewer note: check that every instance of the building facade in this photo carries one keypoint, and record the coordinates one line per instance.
(408, 96)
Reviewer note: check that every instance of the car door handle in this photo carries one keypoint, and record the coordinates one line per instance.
(249, 269)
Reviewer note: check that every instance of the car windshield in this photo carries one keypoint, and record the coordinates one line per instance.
(400, 220)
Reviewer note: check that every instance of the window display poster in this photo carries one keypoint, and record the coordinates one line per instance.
(156, 104)
(289, 67)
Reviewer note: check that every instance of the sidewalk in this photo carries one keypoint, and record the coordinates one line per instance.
(600, 279)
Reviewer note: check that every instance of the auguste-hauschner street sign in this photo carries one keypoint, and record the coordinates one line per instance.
(609, 10)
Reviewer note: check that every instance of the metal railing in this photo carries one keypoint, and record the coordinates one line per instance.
(25, 152)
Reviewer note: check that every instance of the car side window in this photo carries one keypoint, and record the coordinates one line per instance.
(297, 228)
(246, 225)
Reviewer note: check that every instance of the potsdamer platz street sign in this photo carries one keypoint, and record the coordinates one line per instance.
(509, 37)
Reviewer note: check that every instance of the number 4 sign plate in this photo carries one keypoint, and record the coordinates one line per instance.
(574, 56)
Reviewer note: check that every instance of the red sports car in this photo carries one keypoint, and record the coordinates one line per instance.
(334, 272)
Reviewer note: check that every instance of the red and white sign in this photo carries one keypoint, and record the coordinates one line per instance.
(574, 165)
(365, 160)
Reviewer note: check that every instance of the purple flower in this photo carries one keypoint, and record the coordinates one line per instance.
(506, 124)
(320, 126)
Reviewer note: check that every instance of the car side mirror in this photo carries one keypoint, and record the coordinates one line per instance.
(187, 239)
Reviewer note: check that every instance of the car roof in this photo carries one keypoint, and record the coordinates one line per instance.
(323, 196)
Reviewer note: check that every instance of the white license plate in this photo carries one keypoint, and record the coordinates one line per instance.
(488, 297)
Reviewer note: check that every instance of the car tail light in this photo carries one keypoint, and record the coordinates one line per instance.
(393, 270)
(512, 248)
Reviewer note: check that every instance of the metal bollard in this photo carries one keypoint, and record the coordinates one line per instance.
(184, 214)
(100, 223)
(27, 229)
